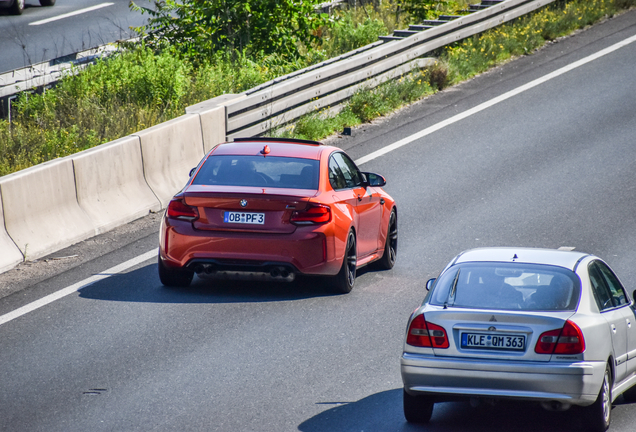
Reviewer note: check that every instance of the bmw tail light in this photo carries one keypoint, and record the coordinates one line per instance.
(313, 214)
(177, 209)
(426, 334)
(568, 340)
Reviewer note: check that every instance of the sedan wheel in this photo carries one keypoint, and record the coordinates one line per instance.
(417, 409)
(345, 279)
(599, 413)
(390, 246)
(174, 278)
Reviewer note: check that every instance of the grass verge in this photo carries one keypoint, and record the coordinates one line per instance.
(139, 88)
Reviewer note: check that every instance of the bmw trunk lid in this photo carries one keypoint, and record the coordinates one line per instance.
(246, 208)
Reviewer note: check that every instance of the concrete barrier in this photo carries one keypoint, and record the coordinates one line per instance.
(213, 118)
(10, 255)
(41, 213)
(170, 150)
(110, 183)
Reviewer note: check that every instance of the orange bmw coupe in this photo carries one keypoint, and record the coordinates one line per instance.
(274, 208)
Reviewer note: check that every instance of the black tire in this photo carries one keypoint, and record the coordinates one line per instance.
(417, 409)
(47, 2)
(344, 281)
(174, 278)
(598, 415)
(390, 245)
(17, 7)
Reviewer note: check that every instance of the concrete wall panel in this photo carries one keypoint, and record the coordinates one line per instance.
(41, 212)
(10, 255)
(110, 182)
(213, 127)
(170, 150)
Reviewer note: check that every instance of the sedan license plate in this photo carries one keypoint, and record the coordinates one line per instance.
(244, 218)
(491, 341)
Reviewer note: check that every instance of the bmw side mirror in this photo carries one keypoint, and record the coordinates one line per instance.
(192, 171)
(429, 284)
(375, 179)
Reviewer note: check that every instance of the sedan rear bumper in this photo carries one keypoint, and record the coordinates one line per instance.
(576, 383)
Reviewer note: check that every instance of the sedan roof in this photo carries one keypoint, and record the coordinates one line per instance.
(561, 258)
(284, 149)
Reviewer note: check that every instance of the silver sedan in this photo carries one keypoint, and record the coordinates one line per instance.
(547, 326)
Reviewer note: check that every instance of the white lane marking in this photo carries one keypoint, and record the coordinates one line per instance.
(376, 154)
(77, 286)
(70, 14)
(566, 248)
(141, 258)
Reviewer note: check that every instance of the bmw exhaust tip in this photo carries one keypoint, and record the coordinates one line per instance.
(210, 269)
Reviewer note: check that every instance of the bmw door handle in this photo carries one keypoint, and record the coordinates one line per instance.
(613, 328)
(359, 197)
(629, 323)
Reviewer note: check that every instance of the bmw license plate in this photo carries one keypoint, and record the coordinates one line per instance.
(244, 218)
(491, 341)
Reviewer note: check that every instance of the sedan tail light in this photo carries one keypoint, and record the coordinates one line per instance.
(314, 214)
(568, 340)
(177, 209)
(426, 334)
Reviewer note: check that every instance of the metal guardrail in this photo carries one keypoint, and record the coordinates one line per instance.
(45, 74)
(261, 109)
(323, 86)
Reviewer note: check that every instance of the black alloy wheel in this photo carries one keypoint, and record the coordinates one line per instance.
(390, 246)
(345, 279)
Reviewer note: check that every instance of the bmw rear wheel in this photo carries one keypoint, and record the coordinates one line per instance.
(599, 413)
(174, 278)
(417, 409)
(390, 246)
(345, 279)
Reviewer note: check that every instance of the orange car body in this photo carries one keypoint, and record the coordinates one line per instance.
(304, 229)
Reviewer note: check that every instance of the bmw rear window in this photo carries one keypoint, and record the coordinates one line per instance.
(259, 171)
(507, 286)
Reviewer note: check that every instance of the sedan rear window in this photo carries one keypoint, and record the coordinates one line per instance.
(507, 286)
(259, 171)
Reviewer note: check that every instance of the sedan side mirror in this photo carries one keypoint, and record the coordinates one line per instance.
(192, 171)
(375, 179)
(430, 283)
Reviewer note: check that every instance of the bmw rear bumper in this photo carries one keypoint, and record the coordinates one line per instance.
(576, 383)
(307, 251)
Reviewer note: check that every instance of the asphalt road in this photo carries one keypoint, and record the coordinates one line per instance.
(24, 41)
(552, 166)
